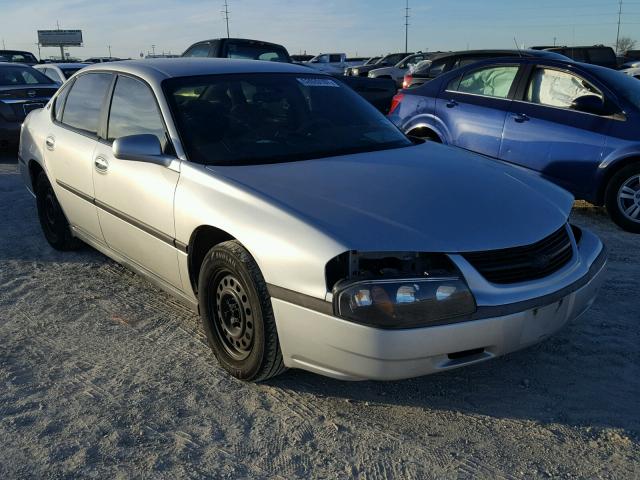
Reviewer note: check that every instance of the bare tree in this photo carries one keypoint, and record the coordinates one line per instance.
(624, 44)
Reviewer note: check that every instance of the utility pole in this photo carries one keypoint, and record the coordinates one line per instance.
(109, 50)
(61, 46)
(406, 27)
(153, 49)
(619, 19)
(225, 12)
(3, 45)
(37, 45)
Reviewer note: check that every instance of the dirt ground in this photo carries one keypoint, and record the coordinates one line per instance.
(102, 375)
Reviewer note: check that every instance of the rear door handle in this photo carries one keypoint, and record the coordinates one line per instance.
(50, 142)
(521, 117)
(452, 103)
(101, 164)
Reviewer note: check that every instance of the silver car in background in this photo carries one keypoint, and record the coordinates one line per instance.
(397, 71)
(307, 236)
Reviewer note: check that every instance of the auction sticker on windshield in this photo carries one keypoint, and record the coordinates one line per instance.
(317, 82)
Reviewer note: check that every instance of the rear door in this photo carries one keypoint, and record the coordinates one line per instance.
(474, 105)
(70, 144)
(135, 199)
(544, 134)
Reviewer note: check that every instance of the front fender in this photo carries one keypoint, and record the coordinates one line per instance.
(290, 252)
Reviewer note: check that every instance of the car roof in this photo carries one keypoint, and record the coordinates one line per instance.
(15, 64)
(158, 69)
(236, 40)
(16, 51)
(63, 65)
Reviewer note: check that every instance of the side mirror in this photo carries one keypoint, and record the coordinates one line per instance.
(589, 104)
(141, 148)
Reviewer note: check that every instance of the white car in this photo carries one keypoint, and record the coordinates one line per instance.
(305, 235)
(634, 72)
(60, 72)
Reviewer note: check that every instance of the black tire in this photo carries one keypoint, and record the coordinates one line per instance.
(617, 206)
(236, 313)
(426, 135)
(53, 222)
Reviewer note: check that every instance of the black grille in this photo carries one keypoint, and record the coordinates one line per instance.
(520, 264)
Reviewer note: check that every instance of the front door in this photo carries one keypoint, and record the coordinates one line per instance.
(135, 199)
(544, 134)
(473, 107)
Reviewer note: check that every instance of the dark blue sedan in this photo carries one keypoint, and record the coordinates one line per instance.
(575, 124)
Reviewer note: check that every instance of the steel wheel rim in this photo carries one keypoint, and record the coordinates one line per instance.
(233, 316)
(629, 199)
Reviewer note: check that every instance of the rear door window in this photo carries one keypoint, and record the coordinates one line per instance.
(134, 111)
(492, 81)
(84, 103)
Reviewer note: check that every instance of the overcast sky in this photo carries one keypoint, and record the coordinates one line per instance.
(365, 27)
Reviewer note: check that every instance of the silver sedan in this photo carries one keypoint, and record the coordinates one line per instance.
(302, 225)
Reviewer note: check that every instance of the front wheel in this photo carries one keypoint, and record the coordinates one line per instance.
(623, 198)
(236, 313)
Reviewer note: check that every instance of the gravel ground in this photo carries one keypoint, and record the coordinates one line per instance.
(102, 375)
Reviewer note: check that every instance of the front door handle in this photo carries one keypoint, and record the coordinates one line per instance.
(452, 103)
(521, 117)
(50, 142)
(101, 164)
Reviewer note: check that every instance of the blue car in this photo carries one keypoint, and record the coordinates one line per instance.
(575, 124)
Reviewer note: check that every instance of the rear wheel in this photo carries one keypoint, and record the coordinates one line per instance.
(426, 135)
(236, 312)
(52, 219)
(623, 198)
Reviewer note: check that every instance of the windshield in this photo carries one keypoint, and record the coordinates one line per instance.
(271, 118)
(623, 85)
(12, 75)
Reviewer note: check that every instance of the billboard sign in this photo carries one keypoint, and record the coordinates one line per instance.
(57, 38)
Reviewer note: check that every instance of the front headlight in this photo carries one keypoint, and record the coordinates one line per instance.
(356, 72)
(403, 303)
(371, 75)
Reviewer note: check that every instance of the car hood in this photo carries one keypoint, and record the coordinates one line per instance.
(426, 197)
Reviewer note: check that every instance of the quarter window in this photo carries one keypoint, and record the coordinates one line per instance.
(59, 105)
(134, 111)
(83, 105)
(557, 88)
(489, 82)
